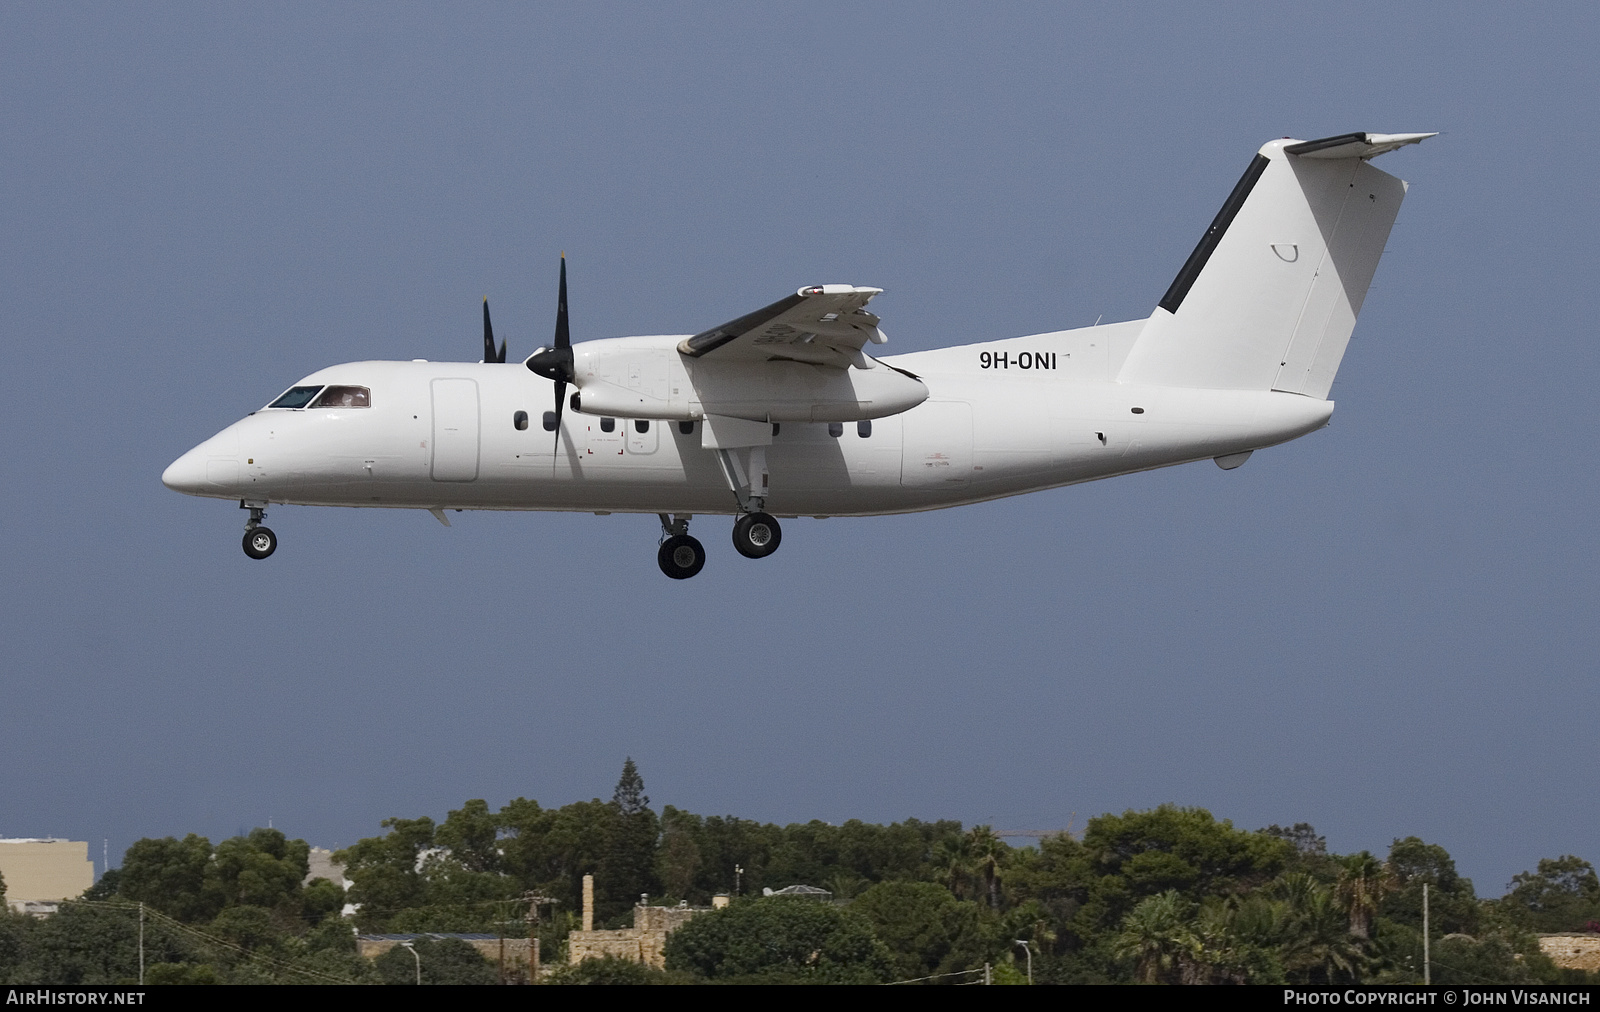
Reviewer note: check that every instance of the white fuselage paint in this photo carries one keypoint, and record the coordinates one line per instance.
(441, 436)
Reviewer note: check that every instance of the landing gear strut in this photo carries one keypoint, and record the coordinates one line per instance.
(756, 535)
(680, 556)
(259, 541)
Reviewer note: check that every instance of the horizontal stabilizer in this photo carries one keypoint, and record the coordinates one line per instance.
(1355, 145)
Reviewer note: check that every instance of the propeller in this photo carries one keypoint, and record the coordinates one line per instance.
(556, 363)
(489, 354)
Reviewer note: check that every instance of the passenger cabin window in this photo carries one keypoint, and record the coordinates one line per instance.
(864, 428)
(687, 428)
(295, 397)
(641, 425)
(608, 425)
(344, 397)
(549, 421)
(835, 429)
(520, 420)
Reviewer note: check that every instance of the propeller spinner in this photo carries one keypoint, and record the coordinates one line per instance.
(556, 363)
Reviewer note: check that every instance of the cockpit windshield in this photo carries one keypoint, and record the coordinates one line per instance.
(344, 397)
(295, 397)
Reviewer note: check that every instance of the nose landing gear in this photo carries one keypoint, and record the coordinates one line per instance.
(259, 541)
(680, 556)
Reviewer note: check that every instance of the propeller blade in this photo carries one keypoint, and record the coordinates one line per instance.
(561, 396)
(556, 364)
(563, 334)
(489, 354)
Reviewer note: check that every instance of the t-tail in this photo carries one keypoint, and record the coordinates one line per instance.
(1269, 298)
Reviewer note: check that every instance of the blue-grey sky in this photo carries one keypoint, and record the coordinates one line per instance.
(1386, 628)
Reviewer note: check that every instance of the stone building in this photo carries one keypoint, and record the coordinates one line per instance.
(645, 942)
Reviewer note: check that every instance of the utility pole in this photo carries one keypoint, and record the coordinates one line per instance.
(1427, 962)
(141, 942)
(534, 900)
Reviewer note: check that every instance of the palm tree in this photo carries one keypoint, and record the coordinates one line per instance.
(1157, 938)
(985, 851)
(1318, 944)
(1363, 883)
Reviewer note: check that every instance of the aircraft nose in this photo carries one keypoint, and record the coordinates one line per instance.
(187, 474)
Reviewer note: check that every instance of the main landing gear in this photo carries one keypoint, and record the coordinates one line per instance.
(756, 535)
(259, 541)
(680, 556)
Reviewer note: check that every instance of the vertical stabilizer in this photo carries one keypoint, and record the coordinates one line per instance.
(1269, 298)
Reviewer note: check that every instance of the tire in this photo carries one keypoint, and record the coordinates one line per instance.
(756, 535)
(260, 542)
(681, 556)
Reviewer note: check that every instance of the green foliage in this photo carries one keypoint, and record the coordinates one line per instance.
(92, 944)
(443, 961)
(1563, 895)
(170, 875)
(1452, 905)
(263, 869)
(780, 938)
(628, 869)
(181, 973)
(608, 970)
(926, 930)
(1166, 895)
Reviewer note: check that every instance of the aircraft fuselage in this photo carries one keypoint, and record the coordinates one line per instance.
(1001, 418)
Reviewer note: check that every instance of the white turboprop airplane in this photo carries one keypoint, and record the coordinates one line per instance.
(782, 413)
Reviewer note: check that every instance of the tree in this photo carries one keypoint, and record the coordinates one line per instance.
(1317, 946)
(1141, 854)
(1453, 907)
(170, 875)
(780, 938)
(1157, 938)
(628, 869)
(1363, 883)
(987, 852)
(262, 869)
(927, 930)
(607, 970)
(385, 871)
(679, 858)
(91, 944)
(1563, 895)
(442, 961)
(471, 835)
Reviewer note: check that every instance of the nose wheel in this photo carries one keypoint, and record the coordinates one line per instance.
(756, 535)
(259, 541)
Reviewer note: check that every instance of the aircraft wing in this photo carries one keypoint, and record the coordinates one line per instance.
(821, 325)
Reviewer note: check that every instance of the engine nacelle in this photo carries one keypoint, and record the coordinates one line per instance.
(646, 377)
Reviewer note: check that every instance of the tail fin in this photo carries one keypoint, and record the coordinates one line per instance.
(1269, 298)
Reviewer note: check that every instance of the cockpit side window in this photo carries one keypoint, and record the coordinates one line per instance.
(344, 397)
(295, 397)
